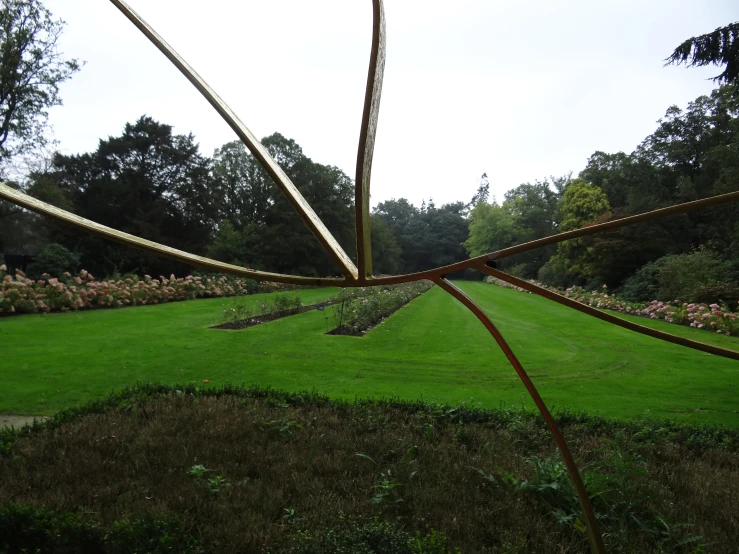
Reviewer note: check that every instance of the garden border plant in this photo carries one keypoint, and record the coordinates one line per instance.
(398, 469)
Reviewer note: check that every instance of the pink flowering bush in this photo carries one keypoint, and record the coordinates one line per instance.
(20, 294)
(710, 317)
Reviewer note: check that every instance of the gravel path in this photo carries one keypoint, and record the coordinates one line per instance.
(18, 420)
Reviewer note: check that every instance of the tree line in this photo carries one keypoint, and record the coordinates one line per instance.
(156, 184)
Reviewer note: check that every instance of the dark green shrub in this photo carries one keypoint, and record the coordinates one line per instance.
(643, 285)
(53, 259)
(726, 293)
(370, 537)
(680, 276)
(29, 529)
(554, 273)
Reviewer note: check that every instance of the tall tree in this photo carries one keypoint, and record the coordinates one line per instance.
(148, 182)
(386, 252)
(492, 227)
(721, 47)
(581, 204)
(258, 227)
(533, 208)
(31, 70)
(483, 192)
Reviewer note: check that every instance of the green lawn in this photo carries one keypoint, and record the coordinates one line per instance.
(433, 348)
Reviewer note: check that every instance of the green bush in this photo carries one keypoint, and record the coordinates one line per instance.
(289, 304)
(370, 537)
(554, 273)
(53, 259)
(29, 529)
(643, 285)
(727, 293)
(680, 276)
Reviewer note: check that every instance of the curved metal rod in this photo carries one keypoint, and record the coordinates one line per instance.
(367, 141)
(301, 206)
(20, 199)
(594, 535)
(695, 345)
(615, 224)
(554, 239)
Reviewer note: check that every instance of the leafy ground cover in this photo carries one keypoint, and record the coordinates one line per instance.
(433, 348)
(161, 469)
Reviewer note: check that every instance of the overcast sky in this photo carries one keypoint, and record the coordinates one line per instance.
(520, 90)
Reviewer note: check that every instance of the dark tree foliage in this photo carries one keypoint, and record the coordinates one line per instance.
(147, 182)
(259, 228)
(721, 47)
(428, 236)
(386, 252)
(693, 153)
(31, 70)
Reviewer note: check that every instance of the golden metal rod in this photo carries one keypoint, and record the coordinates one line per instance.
(476, 261)
(301, 206)
(21, 199)
(367, 141)
(695, 345)
(471, 263)
(591, 522)
(615, 224)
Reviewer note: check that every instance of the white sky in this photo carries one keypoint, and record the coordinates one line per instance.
(520, 90)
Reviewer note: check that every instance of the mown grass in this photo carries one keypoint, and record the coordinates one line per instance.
(254, 471)
(433, 348)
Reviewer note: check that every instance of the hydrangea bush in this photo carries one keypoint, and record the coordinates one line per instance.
(20, 294)
(711, 317)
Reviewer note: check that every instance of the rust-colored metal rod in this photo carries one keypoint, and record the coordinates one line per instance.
(695, 345)
(25, 201)
(301, 206)
(594, 535)
(367, 141)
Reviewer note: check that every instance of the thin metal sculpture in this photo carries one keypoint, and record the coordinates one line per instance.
(361, 275)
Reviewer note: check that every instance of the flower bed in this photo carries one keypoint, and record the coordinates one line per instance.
(358, 310)
(20, 294)
(710, 317)
(277, 306)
